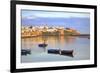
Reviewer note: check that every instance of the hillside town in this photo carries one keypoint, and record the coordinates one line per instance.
(32, 31)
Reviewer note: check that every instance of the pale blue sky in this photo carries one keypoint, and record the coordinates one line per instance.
(78, 21)
(29, 14)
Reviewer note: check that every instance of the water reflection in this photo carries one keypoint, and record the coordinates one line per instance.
(81, 47)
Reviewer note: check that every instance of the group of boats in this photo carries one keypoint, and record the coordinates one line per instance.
(50, 51)
(61, 52)
(58, 51)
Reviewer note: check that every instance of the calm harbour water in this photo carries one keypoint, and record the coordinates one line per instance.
(80, 45)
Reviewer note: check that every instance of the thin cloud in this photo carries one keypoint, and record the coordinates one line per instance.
(29, 17)
(49, 14)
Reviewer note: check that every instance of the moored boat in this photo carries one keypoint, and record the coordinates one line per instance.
(67, 52)
(42, 45)
(25, 51)
(55, 51)
(61, 52)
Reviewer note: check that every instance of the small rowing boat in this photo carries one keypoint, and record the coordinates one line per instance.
(42, 45)
(61, 52)
(25, 51)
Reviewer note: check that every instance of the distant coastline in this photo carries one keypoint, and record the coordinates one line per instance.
(28, 32)
(81, 35)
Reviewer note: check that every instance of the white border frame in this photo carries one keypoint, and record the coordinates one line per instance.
(20, 65)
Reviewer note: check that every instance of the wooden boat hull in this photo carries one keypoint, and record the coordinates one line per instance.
(67, 52)
(55, 51)
(61, 52)
(42, 45)
(25, 52)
